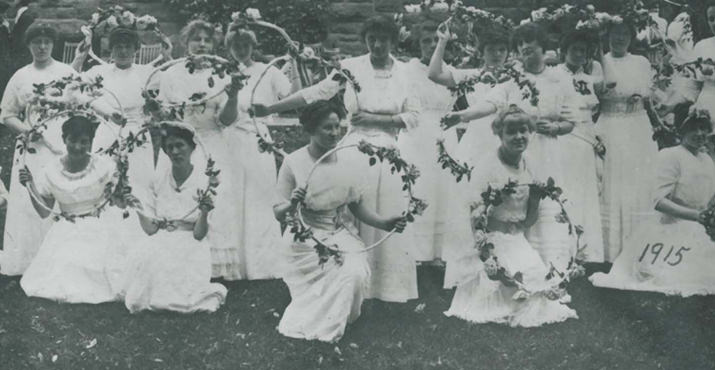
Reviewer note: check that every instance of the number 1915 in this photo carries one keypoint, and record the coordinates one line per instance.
(658, 248)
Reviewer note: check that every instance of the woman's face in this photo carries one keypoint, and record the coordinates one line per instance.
(495, 54)
(41, 48)
(531, 55)
(515, 136)
(123, 54)
(200, 42)
(695, 139)
(327, 133)
(577, 54)
(711, 18)
(178, 150)
(242, 50)
(78, 145)
(428, 42)
(378, 45)
(620, 38)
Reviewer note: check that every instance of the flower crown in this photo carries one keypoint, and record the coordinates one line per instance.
(242, 19)
(105, 20)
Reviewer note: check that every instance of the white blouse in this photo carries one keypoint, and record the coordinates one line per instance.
(684, 178)
(172, 202)
(126, 84)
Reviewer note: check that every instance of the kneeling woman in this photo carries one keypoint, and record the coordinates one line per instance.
(77, 261)
(478, 298)
(324, 298)
(171, 268)
(673, 255)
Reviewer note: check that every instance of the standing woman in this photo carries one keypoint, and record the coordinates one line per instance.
(253, 256)
(627, 133)
(385, 105)
(324, 298)
(706, 49)
(494, 47)
(24, 229)
(418, 146)
(579, 158)
(177, 86)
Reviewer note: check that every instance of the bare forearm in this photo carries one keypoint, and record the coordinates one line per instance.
(230, 111)
(201, 228)
(292, 102)
(480, 110)
(147, 224)
(369, 217)
(16, 125)
(436, 73)
(281, 210)
(671, 208)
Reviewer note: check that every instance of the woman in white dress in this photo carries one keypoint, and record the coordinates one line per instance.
(494, 46)
(252, 256)
(24, 229)
(627, 133)
(324, 298)
(78, 260)
(479, 299)
(706, 81)
(384, 105)
(433, 229)
(550, 238)
(171, 268)
(177, 85)
(579, 159)
(673, 255)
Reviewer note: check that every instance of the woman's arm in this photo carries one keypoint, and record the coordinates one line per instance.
(532, 210)
(671, 208)
(147, 224)
(16, 125)
(435, 72)
(27, 181)
(373, 219)
(201, 227)
(287, 193)
(477, 111)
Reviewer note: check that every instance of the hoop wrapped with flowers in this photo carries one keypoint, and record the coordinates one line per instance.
(72, 96)
(407, 172)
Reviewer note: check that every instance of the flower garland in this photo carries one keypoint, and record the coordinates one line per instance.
(500, 76)
(72, 96)
(408, 173)
(457, 169)
(494, 197)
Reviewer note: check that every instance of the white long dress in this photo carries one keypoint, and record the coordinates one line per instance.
(579, 163)
(436, 185)
(24, 229)
(78, 262)
(706, 49)
(324, 299)
(258, 232)
(127, 85)
(549, 237)
(479, 299)
(176, 86)
(671, 255)
(630, 154)
(171, 270)
(394, 271)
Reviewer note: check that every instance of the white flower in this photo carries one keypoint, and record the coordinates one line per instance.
(617, 19)
(440, 7)
(112, 22)
(538, 14)
(591, 9)
(456, 4)
(491, 267)
(581, 24)
(253, 13)
(603, 17)
(472, 9)
(524, 21)
(235, 16)
(95, 18)
(145, 21)
(480, 237)
(127, 18)
(558, 13)
(404, 34)
(308, 53)
(409, 8)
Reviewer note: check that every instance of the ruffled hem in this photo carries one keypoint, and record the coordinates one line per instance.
(602, 280)
(225, 263)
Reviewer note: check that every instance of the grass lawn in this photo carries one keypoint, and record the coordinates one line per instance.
(616, 330)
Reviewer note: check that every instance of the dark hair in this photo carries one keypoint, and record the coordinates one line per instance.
(168, 131)
(40, 30)
(511, 115)
(196, 26)
(493, 37)
(425, 25)
(381, 25)
(527, 33)
(314, 113)
(630, 27)
(685, 123)
(571, 38)
(78, 126)
(124, 35)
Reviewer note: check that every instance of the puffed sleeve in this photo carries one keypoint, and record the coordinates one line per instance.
(667, 175)
(42, 182)
(411, 110)
(499, 95)
(280, 83)
(323, 90)
(10, 105)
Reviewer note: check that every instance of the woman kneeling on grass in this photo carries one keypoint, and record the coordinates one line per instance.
(324, 297)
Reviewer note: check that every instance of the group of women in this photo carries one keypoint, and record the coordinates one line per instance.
(163, 258)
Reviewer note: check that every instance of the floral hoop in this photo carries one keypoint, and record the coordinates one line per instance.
(203, 196)
(493, 197)
(103, 21)
(409, 175)
(253, 17)
(163, 111)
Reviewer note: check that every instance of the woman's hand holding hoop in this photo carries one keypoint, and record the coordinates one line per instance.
(397, 223)
(25, 176)
(298, 196)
